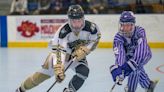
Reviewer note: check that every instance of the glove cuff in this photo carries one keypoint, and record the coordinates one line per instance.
(132, 64)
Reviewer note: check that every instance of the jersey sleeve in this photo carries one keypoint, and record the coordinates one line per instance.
(59, 45)
(119, 51)
(60, 40)
(94, 37)
(142, 52)
(54, 42)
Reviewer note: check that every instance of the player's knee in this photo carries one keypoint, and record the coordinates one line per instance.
(34, 80)
(82, 71)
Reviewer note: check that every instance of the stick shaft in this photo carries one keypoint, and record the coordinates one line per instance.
(113, 87)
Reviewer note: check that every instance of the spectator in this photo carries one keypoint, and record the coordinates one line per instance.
(98, 6)
(56, 7)
(66, 4)
(32, 6)
(19, 7)
(84, 4)
(140, 7)
(43, 7)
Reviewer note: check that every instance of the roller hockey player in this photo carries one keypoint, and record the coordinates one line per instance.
(77, 38)
(132, 53)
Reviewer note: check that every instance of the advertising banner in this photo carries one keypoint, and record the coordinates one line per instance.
(37, 28)
(41, 28)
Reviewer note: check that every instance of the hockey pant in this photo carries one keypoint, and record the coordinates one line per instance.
(138, 76)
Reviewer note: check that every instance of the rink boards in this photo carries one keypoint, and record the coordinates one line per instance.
(36, 31)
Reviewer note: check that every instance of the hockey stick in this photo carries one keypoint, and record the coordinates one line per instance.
(117, 80)
(72, 60)
(113, 86)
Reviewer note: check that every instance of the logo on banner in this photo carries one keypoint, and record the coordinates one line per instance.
(28, 29)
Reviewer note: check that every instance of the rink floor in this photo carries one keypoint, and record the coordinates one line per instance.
(16, 64)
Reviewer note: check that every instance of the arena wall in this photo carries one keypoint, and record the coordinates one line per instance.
(36, 31)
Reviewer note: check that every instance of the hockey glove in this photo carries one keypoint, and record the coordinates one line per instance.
(80, 53)
(59, 71)
(128, 67)
(117, 74)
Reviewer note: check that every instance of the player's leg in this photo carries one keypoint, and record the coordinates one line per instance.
(38, 77)
(33, 81)
(77, 81)
(146, 83)
(152, 86)
(133, 81)
(144, 79)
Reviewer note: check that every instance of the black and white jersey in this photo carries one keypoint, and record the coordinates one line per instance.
(88, 36)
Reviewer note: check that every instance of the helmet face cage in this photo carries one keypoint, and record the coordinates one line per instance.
(76, 24)
(76, 17)
(126, 29)
(126, 18)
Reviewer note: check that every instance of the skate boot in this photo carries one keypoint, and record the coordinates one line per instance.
(68, 90)
(19, 90)
(152, 86)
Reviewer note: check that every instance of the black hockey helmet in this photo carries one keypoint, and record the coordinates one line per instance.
(75, 12)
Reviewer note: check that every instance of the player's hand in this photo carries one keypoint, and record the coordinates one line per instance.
(59, 72)
(80, 53)
(119, 79)
(117, 74)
